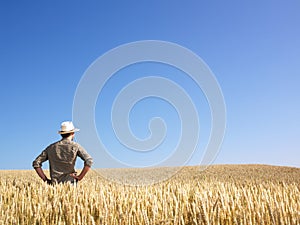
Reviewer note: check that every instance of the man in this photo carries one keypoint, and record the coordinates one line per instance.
(62, 156)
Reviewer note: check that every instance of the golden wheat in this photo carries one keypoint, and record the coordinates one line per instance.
(240, 194)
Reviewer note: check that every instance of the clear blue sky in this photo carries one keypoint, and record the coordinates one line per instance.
(252, 47)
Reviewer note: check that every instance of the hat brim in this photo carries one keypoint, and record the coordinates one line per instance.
(67, 132)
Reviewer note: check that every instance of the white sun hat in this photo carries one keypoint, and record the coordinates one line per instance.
(67, 127)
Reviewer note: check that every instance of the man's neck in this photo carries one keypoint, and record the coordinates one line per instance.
(70, 138)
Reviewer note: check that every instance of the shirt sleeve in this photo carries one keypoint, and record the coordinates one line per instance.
(82, 153)
(40, 159)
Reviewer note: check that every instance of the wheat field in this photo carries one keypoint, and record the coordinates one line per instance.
(221, 194)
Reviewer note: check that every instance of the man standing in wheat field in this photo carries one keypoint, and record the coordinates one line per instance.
(62, 157)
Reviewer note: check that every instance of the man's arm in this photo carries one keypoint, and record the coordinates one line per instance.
(85, 169)
(88, 161)
(37, 165)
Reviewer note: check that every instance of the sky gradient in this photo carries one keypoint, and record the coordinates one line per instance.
(252, 47)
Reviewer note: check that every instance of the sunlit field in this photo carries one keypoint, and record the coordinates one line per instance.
(222, 194)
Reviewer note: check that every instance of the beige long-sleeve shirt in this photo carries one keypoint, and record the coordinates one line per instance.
(62, 157)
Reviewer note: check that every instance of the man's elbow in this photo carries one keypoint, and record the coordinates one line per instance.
(36, 165)
(88, 162)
